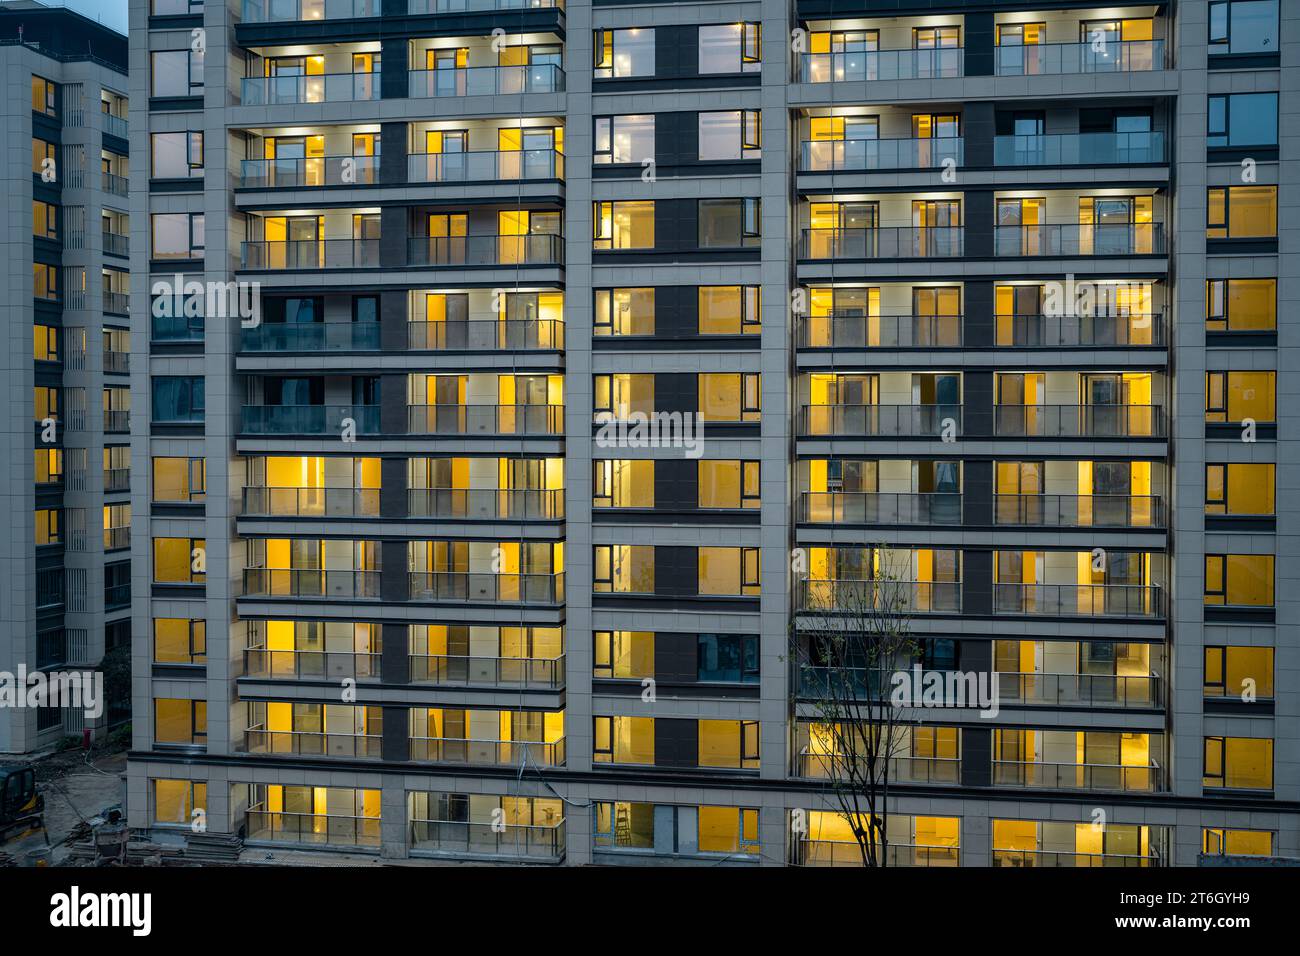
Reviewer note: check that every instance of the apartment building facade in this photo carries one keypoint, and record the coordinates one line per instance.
(66, 558)
(976, 298)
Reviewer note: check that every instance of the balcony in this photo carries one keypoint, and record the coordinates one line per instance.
(853, 330)
(310, 337)
(867, 155)
(538, 250)
(308, 419)
(488, 335)
(1079, 421)
(1079, 600)
(311, 502)
(924, 770)
(523, 673)
(310, 583)
(845, 853)
(320, 88)
(114, 125)
(311, 171)
(312, 829)
(117, 363)
(288, 11)
(116, 244)
(1073, 776)
(1133, 330)
(507, 841)
(114, 185)
(117, 302)
(1059, 858)
(490, 753)
(1080, 149)
(263, 662)
(883, 242)
(525, 420)
(1054, 59)
(309, 254)
(1071, 690)
(487, 504)
(487, 586)
(479, 6)
(872, 507)
(487, 80)
(485, 165)
(1080, 511)
(117, 479)
(176, 328)
(853, 595)
(878, 421)
(117, 420)
(1080, 239)
(259, 740)
(115, 539)
(880, 65)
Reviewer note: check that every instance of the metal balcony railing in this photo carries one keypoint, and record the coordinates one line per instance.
(1079, 600)
(1080, 511)
(485, 165)
(1080, 239)
(116, 244)
(848, 330)
(536, 673)
(1070, 776)
(1071, 331)
(497, 753)
(309, 171)
(901, 769)
(917, 421)
(492, 504)
(882, 242)
(309, 254)
(507, 840)
(1063, 858)
(259, 740)
(310, 582)
(501, 588)
(311, 665)
(118, 302)
(1079, 421)
(850, 594)
(315, 829)
(507, 335)
(847, 853)
(542, 249)
(286, 11)
(319, 88)
(487, 80)
(875, 507)
(114, 125)
(479, 6)
(1092, 690)
(534, 420)
(311, 502)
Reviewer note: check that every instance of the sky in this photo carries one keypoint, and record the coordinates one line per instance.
(111, 13)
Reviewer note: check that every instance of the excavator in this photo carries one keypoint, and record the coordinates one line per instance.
(21, 808)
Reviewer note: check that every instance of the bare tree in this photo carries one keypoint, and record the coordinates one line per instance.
(850, 637)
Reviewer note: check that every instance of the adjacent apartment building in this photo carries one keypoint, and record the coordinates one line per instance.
(65, 455)
(977, 297)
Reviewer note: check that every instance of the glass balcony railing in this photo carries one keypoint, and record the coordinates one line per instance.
(310, 665)
(1105, 56)
(1070, 776)
(508, 335)
(1080, 149)
(310, 337)
(850, 595)
(114, 125)
(1079, 600)
(1059, 858)
(487, 80)
(117, 420)
(495, 753)
(1087, 331)
(1079, 421)
(309, 171)
(310, 582)
(543, 249)
(505, 841)
(883, 242)
(489, 504)
(871, 507)
(259, 740)
(314, 829)
(819, 766)
(118, 302)
(853, 330)
(116, 244)
(310, 254)
(1092, 690)
(485, 166)
(915, 421)
(1080, 511)
(864, 155)
(308, 419)
(847, 853)
(534, 420)
(288, 11)
(880, 65)
(176, 328)
(1081, 239)
(489, 586)
(311, 502)
(537, 673)
(318, 88)
(480, 6)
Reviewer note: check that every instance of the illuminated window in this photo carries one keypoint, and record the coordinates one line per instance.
(45, 343)
(179, 640)
(624, 740)
(179, 560)
(43, 156)
(624, 569)
(728, 483)
(43, 96)
(624, 139)
(45, 281)
(730, 223)
(1242, 212)
(728, 571)
(624, 312)
(729, 310)
(1241, 305)
(623, 483)
(45, 220)
(1221, 842)
(627, 224)
(1239, 489)
(623, 394)
(624, 654)
(174, 801)
(1239, 580)
(728, 743)
(180, 721)
(1243, 672)
(179, 479)
(620, 53)
(1237, 396)
(728, 830)
(47, 526)
(729, 397)
(1239, 763)
(49, 466)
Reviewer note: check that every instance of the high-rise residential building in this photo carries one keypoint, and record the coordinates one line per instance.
(64, 462)
(975, 299)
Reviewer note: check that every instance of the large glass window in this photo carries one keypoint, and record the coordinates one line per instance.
(180, 721)
(1237, 396)
(620, 53)
(627, 224)
(177, 235)
(623, 483)
(729, 396)
(624, 654)
(731, 48)
(1239, 763)
(1242, 212)
(729, 223)
(728, 658)
(624, 569)
(730, 134)
(728, 483)
(1239, 489)
(179, 561)
(624, 740)
(178, 398)
(174, 801)
(729, 310)
(728, 743)
(176, 73)
(176, 155)
(1242, 119)
(179, 640)
(1241, 305)
(1243, 26)
(179, 479)
(729, 571)
(1245, 672)
(1239, 580)
(624, 139)
(624, 312)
